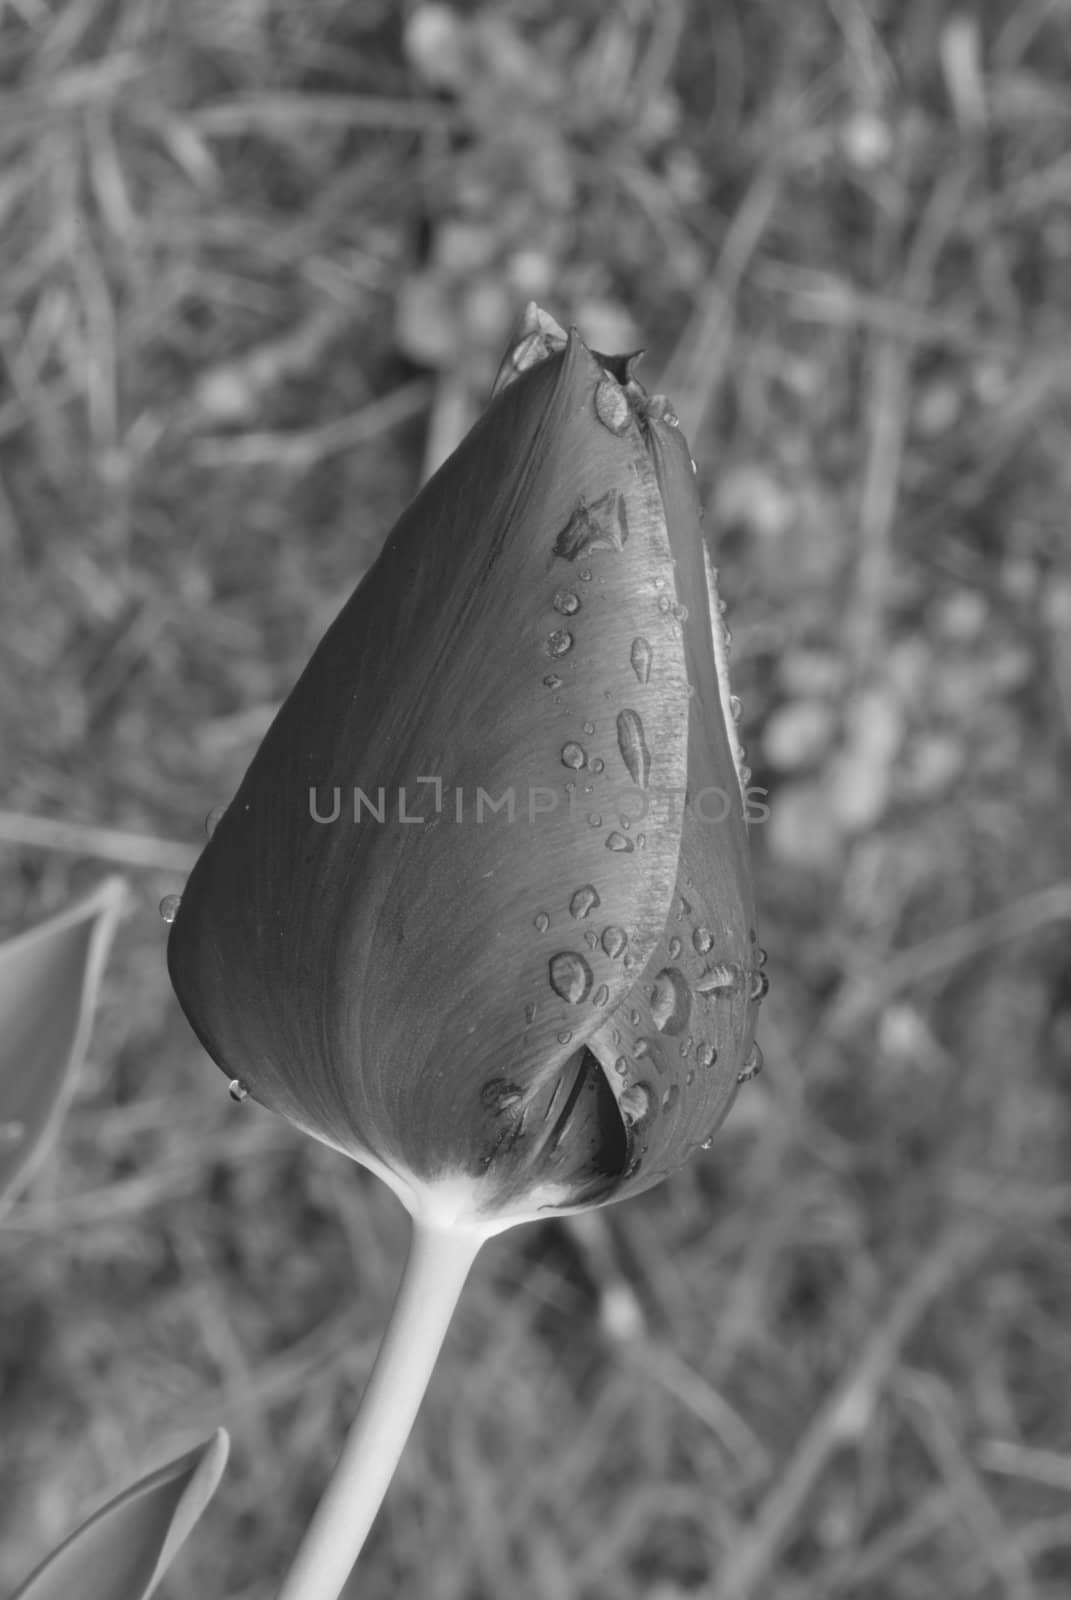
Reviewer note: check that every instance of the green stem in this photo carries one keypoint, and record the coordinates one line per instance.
(435, 1271)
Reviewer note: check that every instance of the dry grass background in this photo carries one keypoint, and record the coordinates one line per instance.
(257, 264)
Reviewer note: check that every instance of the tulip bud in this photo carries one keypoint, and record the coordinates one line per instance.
(480, 914)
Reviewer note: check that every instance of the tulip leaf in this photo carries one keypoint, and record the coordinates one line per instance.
(123, 1551)
(49, 977)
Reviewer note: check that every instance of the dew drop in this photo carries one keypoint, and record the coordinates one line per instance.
(686, 1044)
(758, 986)
(660, 583)
(689, 1076)
(680, 612)
(614, 941)
(717, 979)
(674, 948)
(745, 776)
(705, 1055)
(703, 940)
(169, 906)
(566, 602)
(635, 1103)
(585, 575)
(618, 842)
(760, 956)
(736, 707)
(237, 1090)
(626, 822)
(558, 643)
(671, 1096)
(213, 819)
(584, 900)
(684, 907)
(611, 407)
(565, 1037)
(594, 819)
(542, 922)
(573, 755)
(591, 939)
(597, 764)
(753, 1065)
(570, 976)
(552, 681)
(634, 1018)
(621, 1066)
(641, 841)
(641, 1048)
(601, 995)
(632, 743)
(589, 727)
(640, 656)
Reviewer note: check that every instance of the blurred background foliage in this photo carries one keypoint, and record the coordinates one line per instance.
(258, 264)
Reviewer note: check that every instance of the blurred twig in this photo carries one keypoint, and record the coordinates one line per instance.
(843, 1417)
(103, 844)
(865, 993)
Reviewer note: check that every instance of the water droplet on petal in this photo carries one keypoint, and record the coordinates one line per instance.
(641, 1048)
(558, 643)
(621, 1066)
(618, 842)
(758, 985)
(760, 956)
(552, 681)
(680, 612)
(689, 1076)
(717, 979)
(589, 727)
(674, 948)
(591, 939)
(705, 1055)
(594, 819)
(635, 1102)
(596, 764)
(671, 1096)
(542, 922)
(169, 906)
(611, 407)
(753, 1065)
(566, 602)
(573, 755)
(703, 940)
(237, 1090)
(640, 656)
(570, 976)
(213, 819)
(614, 941)
(585, 575)
(565, 1037)
(601, 995)
(634, 1018)
(736, 707)
(632, 743)
(584, 900)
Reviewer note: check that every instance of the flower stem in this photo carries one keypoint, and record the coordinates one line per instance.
(435, 1271)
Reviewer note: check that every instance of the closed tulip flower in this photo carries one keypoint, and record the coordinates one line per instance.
(480, 914)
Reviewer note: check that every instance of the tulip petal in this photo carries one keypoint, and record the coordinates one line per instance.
(373, 980)
(680, 1040)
